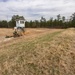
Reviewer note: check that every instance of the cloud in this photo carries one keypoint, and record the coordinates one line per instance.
(34, 9)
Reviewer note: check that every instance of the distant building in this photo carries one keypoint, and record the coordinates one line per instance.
(20, 23)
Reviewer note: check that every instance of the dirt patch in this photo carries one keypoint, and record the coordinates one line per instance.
(3, 39)
(30, 33)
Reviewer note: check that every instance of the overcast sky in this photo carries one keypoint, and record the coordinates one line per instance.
(34, 9)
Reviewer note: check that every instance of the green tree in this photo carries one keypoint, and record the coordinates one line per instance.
(31, 24)
(58, 17)
(73, 20)
(12, 23)
(3, 24)
(43, 22)
(63, 19)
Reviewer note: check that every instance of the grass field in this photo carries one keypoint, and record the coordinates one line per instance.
(41, 52)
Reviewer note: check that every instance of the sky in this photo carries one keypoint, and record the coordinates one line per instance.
(34, 9)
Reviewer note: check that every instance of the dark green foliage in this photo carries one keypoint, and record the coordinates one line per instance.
(3, 24)
(60, 22)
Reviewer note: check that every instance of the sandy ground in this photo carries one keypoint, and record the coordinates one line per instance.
(29, 34)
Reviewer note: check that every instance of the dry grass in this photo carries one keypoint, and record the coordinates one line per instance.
(5, 31)
(30, 33)
(49, 54)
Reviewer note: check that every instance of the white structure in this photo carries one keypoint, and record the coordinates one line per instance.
(20, 23)
(20, 27)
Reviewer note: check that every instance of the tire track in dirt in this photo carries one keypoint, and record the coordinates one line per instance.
(29, 35)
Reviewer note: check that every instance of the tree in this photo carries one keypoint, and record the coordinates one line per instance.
(58, 17)
(73, 17)
(27, 25)
(73, 20)
(43, 22)
(3, 24)
(31, 24)
(12, 23)
(63, 18)
(37, 24)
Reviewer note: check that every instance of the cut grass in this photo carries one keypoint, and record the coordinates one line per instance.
(47, 55)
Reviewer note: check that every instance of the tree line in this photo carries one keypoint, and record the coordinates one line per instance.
(59, 22)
